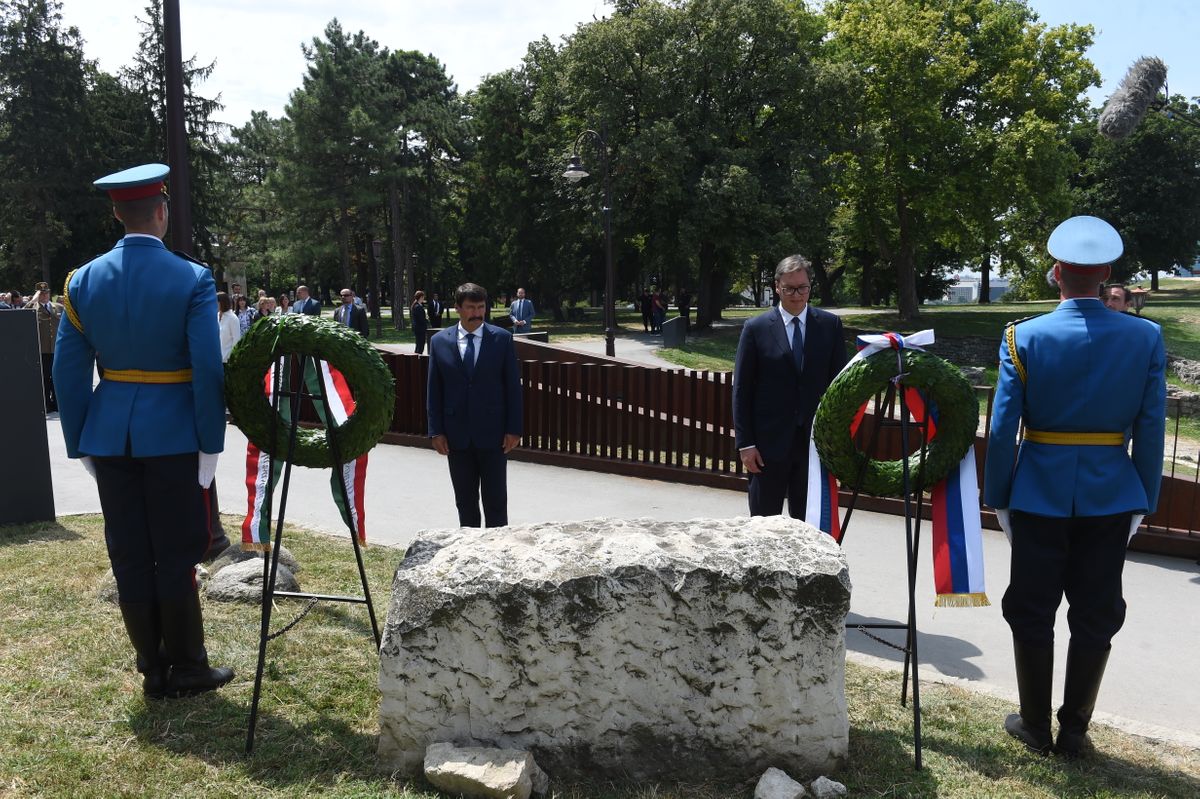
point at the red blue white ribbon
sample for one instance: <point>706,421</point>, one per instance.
<point>957,533</point>
<point>263,472</point>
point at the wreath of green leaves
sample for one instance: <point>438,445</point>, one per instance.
<point>369,378</point>
<point>958,417</point>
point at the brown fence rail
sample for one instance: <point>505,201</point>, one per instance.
<point>677,425</point>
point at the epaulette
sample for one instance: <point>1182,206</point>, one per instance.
<point>191,258</point>
<point>1010,340</point>
<point>1024,319</point>
<point>66,295</point>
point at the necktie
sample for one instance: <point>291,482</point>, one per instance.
<point>469,355</point>
<point>798,343</point>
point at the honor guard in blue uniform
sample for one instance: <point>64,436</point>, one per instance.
<point>151,430</point>
<point>1083,380</point>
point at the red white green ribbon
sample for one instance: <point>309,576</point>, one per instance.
<point>263,471</point>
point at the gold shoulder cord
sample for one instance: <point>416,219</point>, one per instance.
<point>1010,337</point>
<point>74,317</point>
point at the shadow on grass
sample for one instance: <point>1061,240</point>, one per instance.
<point>1099,773</point>
<point>948,654</point>
<point>320,752</point>
<point>874,753</point>
<point>37,531</point>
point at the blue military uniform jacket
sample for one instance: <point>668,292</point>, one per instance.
<point>1087,369</point>
<point>140,308</point>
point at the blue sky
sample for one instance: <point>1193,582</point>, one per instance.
<point>256,43</point>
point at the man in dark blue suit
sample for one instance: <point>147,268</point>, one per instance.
<point>786,358</point>
<point>474,401</point>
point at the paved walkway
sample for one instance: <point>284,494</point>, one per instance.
<point>1153,681</point>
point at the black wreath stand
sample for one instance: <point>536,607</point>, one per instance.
<point>913,499</point>
<point>295,397</point>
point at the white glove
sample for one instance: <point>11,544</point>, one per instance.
<point>1135,523</point>
<point>208,468</point>
<point>89,465</point>
<point>1005,523</point>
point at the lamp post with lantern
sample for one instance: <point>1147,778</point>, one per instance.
<point>574,173</point>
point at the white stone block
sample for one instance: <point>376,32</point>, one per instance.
<point>621,648</point>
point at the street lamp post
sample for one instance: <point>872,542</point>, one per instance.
<point>575,172</point>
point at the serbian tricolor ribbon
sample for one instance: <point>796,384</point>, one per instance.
<point>957,532</point>
<point>263,471</point>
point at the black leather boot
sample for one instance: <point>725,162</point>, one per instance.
<point>1035,677</point>
<point>142,625</point>
<point>183,639</point>
<point>1085,671</point>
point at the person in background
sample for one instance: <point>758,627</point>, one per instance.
<point>1117,298</point>
<point>435,310</point>
<point>351,314</point>
<point>266,306</point>
<point>420,322</point>
<point>646,304</point>
<point>229,325</point>
<point>245,314</point>
<point>305,304</point>
<point>521,311</point>
<point>285,304</point>
<point>48,314</point>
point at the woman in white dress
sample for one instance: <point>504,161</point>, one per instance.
<point>231,328</point>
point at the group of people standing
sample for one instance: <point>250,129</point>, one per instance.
<point>654,304</point>
<point>48,313</point>
<point>235,314</point>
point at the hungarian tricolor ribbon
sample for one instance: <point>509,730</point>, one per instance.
<point>263,471</point>
<point>957,532</point>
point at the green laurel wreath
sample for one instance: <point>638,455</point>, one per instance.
<point>369,378</point>
<point>958,417</point>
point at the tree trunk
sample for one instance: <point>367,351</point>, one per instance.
<point>705,299</point>
<point>344,246</point>
<point>826,280</point>
<point>905,263</point>
<point>45,258</point>
<point>866,286</point>
<point>1154,280</point>
<point>985,280</point>
<point>399,288</point>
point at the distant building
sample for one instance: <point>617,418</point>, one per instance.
<point>965,288</point>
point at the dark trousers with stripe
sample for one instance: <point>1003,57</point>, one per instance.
<point>156,524</point>
<point>783,478</point>
<point>1082,558</point>
<point>478,473</point>
<point>51,399</point>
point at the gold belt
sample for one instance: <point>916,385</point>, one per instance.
<point>1084,439</point>
<point>147,376</point>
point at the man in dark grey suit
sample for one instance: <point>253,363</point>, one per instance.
<point>474,402</point>
<point>352,314</point>
<point>786,358</point>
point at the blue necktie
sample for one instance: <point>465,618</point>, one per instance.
<point>469,355</point>
<point>798,343</point>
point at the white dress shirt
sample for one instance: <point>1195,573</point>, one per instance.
<point>787,323</point>
<point>462,342</point>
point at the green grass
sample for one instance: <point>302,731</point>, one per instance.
<point>73,723</point>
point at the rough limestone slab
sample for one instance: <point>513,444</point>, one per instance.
<point>621,648</point>
<point>483,772</point>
